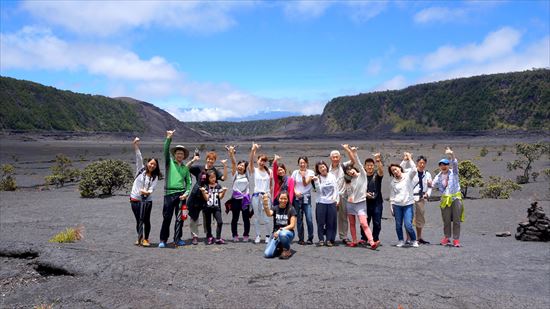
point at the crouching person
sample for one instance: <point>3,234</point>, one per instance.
<point>284,221</point>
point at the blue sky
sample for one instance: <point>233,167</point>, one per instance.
<point>216,60</point>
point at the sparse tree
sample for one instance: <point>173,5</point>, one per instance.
<point>498,188</point>
<point>7,183</point>
<point>62,171</point>
<point>105,176</point>
<point>469,175</point>
<point>528,154</point>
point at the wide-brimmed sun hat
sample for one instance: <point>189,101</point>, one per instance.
<point>180,147</point>
<point>444,161</point>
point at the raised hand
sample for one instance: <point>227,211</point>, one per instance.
<point>377,157</point>
<point>224,161</point>
<point>169,133</point>
<point>448,151</point>
<point>276,157</point>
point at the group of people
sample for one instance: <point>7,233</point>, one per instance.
<point>347,191</point>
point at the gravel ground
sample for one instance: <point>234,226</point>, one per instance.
<point>105,269</point>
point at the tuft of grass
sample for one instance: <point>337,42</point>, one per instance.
<point>70,234</point>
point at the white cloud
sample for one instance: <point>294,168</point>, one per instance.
<point>116,16</point>
<point>304,9</point>
<point>441,14</point>
<point>374,67</point>
<point>362,11</point>
<point>495,44</point>
<point>33,48</point>
<point>395,83</point>
<point>408,63</point>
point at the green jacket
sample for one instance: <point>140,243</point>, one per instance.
<point>178,178</point>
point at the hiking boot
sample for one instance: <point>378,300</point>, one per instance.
<point>220,241</point>
<point>423,242</point>
<point>374,245</point>
<point>180,243</point>
<point>257,240</point>
<point>444,241</point>
<point>195,240</point>
<point>285,255</point>
<point>456,243</point>
<point>210,240</point>
<point>145,243</point>
<point>400,244</point>
<point>414,244</point>
<point>162,244</point>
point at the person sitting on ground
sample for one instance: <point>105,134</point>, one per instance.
<point>452,208</point>
<point>284,221</point>
<point>141,201</point>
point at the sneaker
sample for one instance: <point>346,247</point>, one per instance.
<point>210,240</point>
<point>456,243</point>
<point>444,241</point>
<point>195,240</point>
<point>245,238</point>
<point>257,240</point>
<point>414,244</point>
<point>407,242</point>
<point>180,243</point>
<point>137,242</point>
<point>266,239</point>
<point>220,241</point>
<point>374,245</point>
<point>320,244</point>
<point>162,244</point>
<point>351,244</point>
<point>145,243</point>
<point>301,243</point>
<point>424,242</point>
<point>309,242</point>
<point>345,241</point>
<point>235,239</point>
<point>362,242</point>
<point>330,244</point>
<point>400,244</point>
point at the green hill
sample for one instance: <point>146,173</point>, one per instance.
<point>28,106</point>
<point>516,101</point>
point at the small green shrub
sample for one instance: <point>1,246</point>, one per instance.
<point>469,176</point>
<point>527,153</point>
<point>62,172</point>
<point>70,234</point>
<point>7,183</point>
<point>498,188</point>
<point>105,177</point>
<point>483,152</point>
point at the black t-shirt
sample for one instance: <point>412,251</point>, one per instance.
<point>213,196</point>
<point>200,178</point>
<point>375,185</point>
<point>281,216</point>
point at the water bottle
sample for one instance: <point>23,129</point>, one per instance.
<point>184,212</point>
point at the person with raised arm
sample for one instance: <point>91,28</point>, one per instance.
<point>145,182</point>
<point>452,208</point>
<point>262,185</point>
<point>197,202</point>
<point>281,181</point>
<point>176,188</point>
<point>401,197</point>
<point>375,203</point>
<point>284,221</point>
<point>240,198</point>
<point>356,194</point>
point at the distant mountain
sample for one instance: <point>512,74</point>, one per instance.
<point>509,101</point>
<point>512,101</point>
<point>29,106</point>
<point>264,116</point>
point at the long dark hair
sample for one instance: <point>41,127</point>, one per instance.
<point>245,164</point>
<point>347,178</point>
<point>156,172</point>
<point>392,165</point>
<point>281,178</point>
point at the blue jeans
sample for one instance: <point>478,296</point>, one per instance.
<point>405,213</point>
<point>284,239</point>
<point>301,210</point>
<point>326,221</point>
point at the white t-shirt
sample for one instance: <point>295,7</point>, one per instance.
<point>241,183</point>
<point>261,180</point>
<point>328,189</point>
<point>298,181</point>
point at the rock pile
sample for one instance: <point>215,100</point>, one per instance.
<point>538,226</point>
